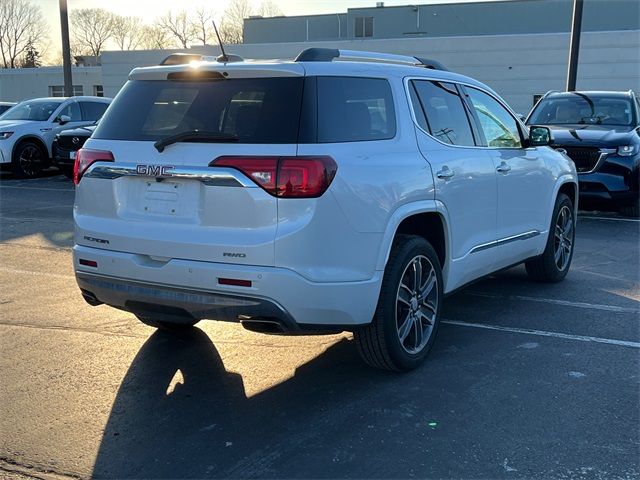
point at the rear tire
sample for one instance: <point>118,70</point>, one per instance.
<point>168,326</point>
<point>407,316</point>
<point>554,263</point>
<point>28,160</point>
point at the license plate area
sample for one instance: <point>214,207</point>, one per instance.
<point>72,155</point>
<point>162,198</point>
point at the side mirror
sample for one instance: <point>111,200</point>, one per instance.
<point>540,136</point>
<point>62,119</point>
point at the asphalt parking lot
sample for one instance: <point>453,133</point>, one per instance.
<point>525,381</point>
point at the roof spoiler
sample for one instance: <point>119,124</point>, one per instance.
<point>331,54</point>
<point>184,58</point>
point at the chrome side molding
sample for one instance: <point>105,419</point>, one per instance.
<point>502,241</point>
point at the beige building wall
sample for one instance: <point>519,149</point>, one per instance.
<point>516,66</point>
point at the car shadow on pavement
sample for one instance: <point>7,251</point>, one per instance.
<point>200,423</point>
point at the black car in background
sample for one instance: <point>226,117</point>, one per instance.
<point>65,146</point>
<point>600,131</point>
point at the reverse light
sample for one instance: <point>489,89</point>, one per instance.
<point>285,177</point>
<point>85,158</point>
<point>627,150</point>
<point>5,135</point>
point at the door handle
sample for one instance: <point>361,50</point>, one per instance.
<point>503,168</point>
<point>446,173</point>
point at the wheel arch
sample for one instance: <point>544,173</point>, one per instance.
<point>428,219</point>
<point>34,138</point>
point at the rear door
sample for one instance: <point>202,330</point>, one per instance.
<point>464,175</point>
<point>172,204</point>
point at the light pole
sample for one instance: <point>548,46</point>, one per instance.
<point>66,49</point>
<point>574,47</point>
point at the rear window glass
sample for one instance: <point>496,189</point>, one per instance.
<point>352,109</point>
<point>256,110</point>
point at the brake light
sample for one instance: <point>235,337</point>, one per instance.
<point>285,177</point>
<point>85,158</point>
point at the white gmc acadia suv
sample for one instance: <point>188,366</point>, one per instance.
<point>341,191</point>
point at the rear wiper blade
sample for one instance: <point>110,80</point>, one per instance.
<point>194,135</point>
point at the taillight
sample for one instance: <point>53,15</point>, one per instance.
<point>85,158</point>
<point>285,177</point>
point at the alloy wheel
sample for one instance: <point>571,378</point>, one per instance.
<point>563,241</point>
<point>416,304</point>
<point>30,160</point>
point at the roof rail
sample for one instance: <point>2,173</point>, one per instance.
<point>184,58</point>
<point>331,54</point>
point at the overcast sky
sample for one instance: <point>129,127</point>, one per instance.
<point>148,10</point>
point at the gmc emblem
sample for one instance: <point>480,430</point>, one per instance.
<point>155,170</point>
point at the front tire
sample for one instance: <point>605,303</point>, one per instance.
<point>67,171</point>
<point>29,160</point>
<point>406,320</point>
<point>554,263</point>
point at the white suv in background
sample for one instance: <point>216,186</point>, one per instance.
<point>341,191</point>
<point>27,130</point>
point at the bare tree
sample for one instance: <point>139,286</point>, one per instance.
<point>202,26</point>
<point>92,28</point>
<point>22,26</point>
<point>268,8</point>
<point>127,32</point>
<point>232,27</point>
<point>178,26</point>
<point>154,37</point>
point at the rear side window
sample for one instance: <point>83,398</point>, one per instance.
<point>440,111</point>
<point>92,111</point>
<point>256,110</point>
<point>354,109</point>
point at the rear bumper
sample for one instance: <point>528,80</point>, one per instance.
<point>144,286</point>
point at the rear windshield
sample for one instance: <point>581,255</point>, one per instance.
<point>256,110</point>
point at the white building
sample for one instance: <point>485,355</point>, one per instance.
<point>520,48</point>
<point>21,83</point>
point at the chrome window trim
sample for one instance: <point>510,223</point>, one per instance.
<point>212,176</point>
<point>406,81</point>
<point>503,241</point>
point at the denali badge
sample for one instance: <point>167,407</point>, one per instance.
<point>155,170</point>
<point>233,254</point>
<point>97,240</point>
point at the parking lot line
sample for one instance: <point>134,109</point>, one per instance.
<point>32,272</point>
<point>613,219</point>
<point>567,303</point>
<point>542,333</point>
<point>20,187</point>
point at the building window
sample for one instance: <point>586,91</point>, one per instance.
<point>364,27</point>
<point>58,90</point>
<point>98,91</point>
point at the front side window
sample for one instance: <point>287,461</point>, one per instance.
<point>354,109</point>
<point>441,112</point>
<point>37,110</point>
<point>499,127</point>
<point>72,111</point>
